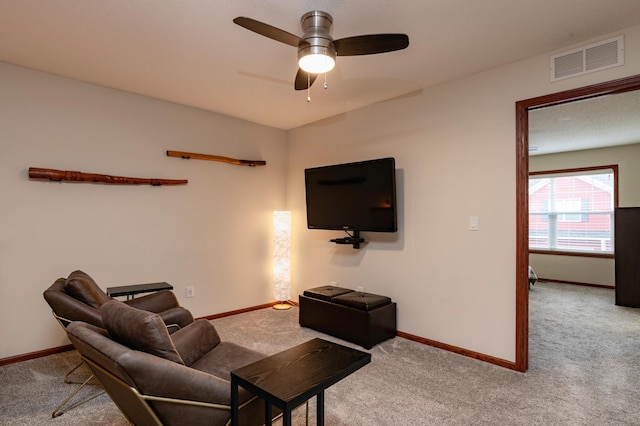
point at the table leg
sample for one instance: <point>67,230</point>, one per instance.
<point>267,413</point>
<point>234,403</point>
<point>286,417</point>
<point>320,408</point>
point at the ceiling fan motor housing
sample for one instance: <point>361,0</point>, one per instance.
<point>317,26</point>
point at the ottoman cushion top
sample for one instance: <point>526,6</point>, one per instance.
<point>361,300</point>
<point>327,292</point>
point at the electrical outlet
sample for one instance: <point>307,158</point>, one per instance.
<point>190,291</point>
<point>334,283</point>
<point>359,288</point>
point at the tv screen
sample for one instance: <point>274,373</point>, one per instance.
<point>355,196</point>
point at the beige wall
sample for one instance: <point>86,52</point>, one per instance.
<point>213,233</point>
<point>454,146</point>
<point>587,269</point>
<point>455,150</point>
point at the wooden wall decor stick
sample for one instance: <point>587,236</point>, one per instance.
<point>68,175</point>
<point>188,155</point>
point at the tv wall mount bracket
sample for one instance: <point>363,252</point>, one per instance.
<point>350,239</point>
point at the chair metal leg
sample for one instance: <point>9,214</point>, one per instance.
<point>58,411</point>
<point>68,380</point>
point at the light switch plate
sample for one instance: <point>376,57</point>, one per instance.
<point>473,223</point>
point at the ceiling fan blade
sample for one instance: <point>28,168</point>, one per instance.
<point>304,80</point>
<point>370,44</point>
<point>268,31</point>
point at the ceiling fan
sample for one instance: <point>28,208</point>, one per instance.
<point>317,50</point>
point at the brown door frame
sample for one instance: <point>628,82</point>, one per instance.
<point>522,200</point>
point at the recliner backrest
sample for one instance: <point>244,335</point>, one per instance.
<point>67,308</point>
<point>144,331</point>
<point>139,330</point>
<point>84,288</point>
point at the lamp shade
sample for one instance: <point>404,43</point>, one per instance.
<point>282,255</point>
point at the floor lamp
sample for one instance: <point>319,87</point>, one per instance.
<point>282,258</point>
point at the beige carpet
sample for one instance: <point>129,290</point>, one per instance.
<point>584,370</point>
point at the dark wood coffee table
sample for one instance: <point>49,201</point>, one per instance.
<point>289,378</point>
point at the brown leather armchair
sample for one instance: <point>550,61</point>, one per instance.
<point>78,298</point>
<point>157,378</point>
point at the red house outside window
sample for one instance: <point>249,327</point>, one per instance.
<point>572,211</point>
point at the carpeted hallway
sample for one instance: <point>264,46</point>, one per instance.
<point>584,363</point>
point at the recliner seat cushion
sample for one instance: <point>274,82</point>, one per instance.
<point>224,358</point>
<point>84,288</point>
<point>140,330</point>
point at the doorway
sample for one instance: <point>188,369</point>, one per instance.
<point>522,201</point>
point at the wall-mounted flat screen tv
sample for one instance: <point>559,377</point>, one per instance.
<point>357,196</point>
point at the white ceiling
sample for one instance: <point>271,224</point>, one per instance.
<point>191,53</point>
<point>592,123</point>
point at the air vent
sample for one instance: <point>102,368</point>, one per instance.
<point>583,60</point>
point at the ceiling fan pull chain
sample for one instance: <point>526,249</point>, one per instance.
<point>325,81</point>
<point>308,87</point>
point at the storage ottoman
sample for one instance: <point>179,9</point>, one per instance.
<point>358,317</point>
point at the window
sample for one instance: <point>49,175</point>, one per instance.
<point>571,211</point>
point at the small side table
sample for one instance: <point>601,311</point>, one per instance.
<point>291,377</point>
<point>131,290</point>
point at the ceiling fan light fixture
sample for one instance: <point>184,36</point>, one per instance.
<point>316,63</point>
<point>316,59</point>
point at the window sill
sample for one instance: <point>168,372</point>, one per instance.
<point>574,253</point>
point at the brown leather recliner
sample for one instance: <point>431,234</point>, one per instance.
<point>78,298</point>
<point>159,378</point>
